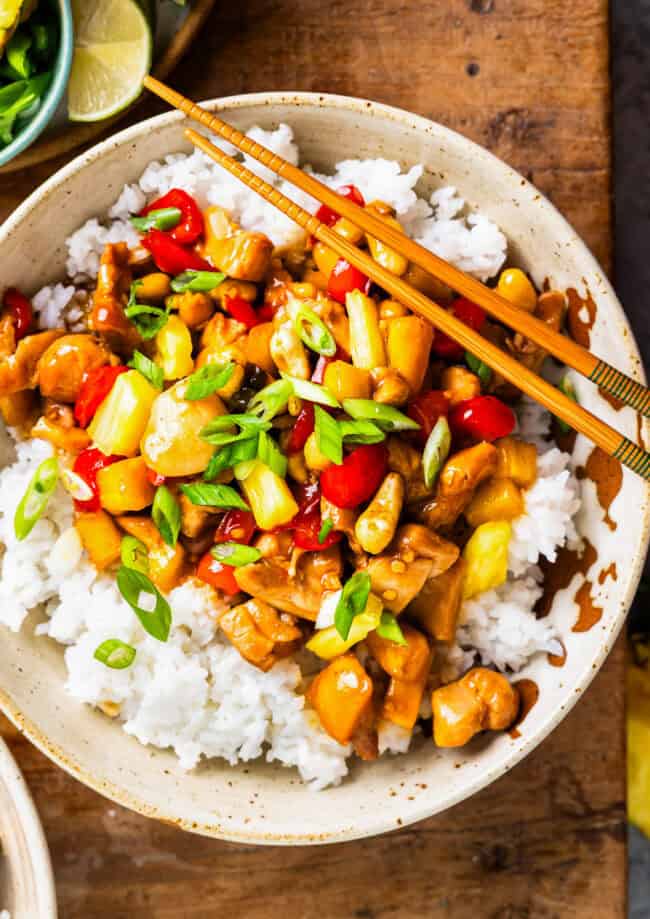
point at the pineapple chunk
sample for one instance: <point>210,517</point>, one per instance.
<point>496,499</point>
<point>486,555</point>
<point>342,696</point>
<point>327,643</point>
<point>269,497</point>
<point>121,419</point>
<point>347,382</point>
<point>366,341</point>
<point>100,537</point>
<point>174,349</point>
<point>516,460</point>
<point>124,486</point>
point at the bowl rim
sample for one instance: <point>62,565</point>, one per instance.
<point>36,125</point>
<point>31,836</point>
<point>413,811</point>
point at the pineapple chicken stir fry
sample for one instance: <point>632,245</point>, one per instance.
<point>270,423</point>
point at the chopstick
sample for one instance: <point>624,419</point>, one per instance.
<point>608,378</point>
<point>611,441</point>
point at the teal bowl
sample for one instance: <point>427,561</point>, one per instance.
<point>61,71</point>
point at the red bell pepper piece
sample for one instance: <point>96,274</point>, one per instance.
<point>218,575</point>
<point>305,534</point>
<point>21,311</point>
<point>345,278</point>
<point>170,256</point>
<point>191,225</point>
<point>469,313</point>
<point>482,418</point>
<point>241,310</point>
<point>357,478</point>
<point>236,526</point>
<point>302,428</point>
<point>95,387</point>
<point>329,217</point>
<point>265,313</point>
<point>426,409</point>
<point>89,462</point>
<point>155,478</point>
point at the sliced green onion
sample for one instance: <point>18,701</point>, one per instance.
<point>477,366</point>
<point>235,554</point>
<point>133,554</point>
<point>75,485</point>
<point>268,452</point>
<point>312,392</point>
<point>325,530</point>
<point>149,370</point>
<point>436,451</point>
<point>17,54</point>
<point>361,432</point>
<point>133,584</point>
<point>35,500</point>
<point>165,218</point>
<point>219,433</point>
<point>389,628</point>
<point>208,380</point>
<point>197,281</point>
<point>328,435</point>
<point>271,400</point>
<point>384,416</point>
<point>166,514</point>
<point>243,470</point>
<point>313,332</point>
<point>147,319</point>
<point>115,654</point>
<point>566,386</point>
<point>352,602</point>
<point>228,457</point>
<point>207,495</point>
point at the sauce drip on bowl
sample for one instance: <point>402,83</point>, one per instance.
<point>528,695</point>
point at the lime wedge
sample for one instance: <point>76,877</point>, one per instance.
<point>111,59</point>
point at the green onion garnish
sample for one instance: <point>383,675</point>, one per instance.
<point>219,433</point>
<point>235,554</point>
<point>313,332</point>
<point>269,453</point>
<point>477,366</point>
<point>384,416</point>
<point>361,432</point>
<point>166,514</point>
<point>229,457</point>
<point>436,451</point>
<point>35,500</point>
<point>328,435</point>
<point>271,400</point>
<point>389,628</point>
<point>352,602</point>
<point>312,392</point>
<point>165,218</point>
<point>136,587</point>
<point>566,386</point>
<point>197,281</point>
<point>208,380</point>
<point>115,654</point>
<point>325,530</point>
<point>147,319</point>
<point>150,371</point>
<point>134,554</point>
<point>207,495</point>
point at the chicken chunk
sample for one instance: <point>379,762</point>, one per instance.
<point>416,541</point>
<point>225,338</point>
<point>63,366</point>
<point>20,370</point>
<point>437,605</point>
<point>110,298</point>
<point>240,254</point>
<point>341,694</point>
<point>551,307</point>
<point>481,701</point>
<point>261,634</point>
<point>461,474</point>
<point>195,519</point>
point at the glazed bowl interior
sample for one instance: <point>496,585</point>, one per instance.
<point>265,803</point>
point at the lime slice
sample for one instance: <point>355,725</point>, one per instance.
<point>111,59</point>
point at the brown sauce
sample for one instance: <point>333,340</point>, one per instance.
<point>528,695</point>
<point>615,403</point>
<point>609,572</point>
<point>558,574</point>
<point>558,660</point>
<point>580,328</point>
<point>607,475</point>
<point>588,613</point>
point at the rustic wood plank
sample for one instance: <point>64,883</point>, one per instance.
<point>529,79</point>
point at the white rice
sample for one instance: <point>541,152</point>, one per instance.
<point>195,694</point>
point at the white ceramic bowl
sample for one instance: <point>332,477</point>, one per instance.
<point>261,803</point>
<point>26,881</point>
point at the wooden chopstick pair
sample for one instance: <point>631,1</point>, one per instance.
<point>567,351</point>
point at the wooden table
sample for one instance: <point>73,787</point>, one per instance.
<point>529,79</point>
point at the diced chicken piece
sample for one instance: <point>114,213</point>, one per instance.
<point>63,366</point>
<point>437,605</point>
<point>413,540</point>
<point>409,662</point>
<point>240,254</point>
<point>461,474</point>
<point>343,521</point>
<point>299,593</point>
<point>459,384</point>
<point>111,295</point>
<point>481,701</point>
<point>20,370</point>
<point>166,563</point>
<point>406,460</point>
<point>195,520</point>
<point>225,338</point>
<point>551,307</point>
<point>260,634</point>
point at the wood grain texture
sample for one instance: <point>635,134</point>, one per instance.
<point>548,840</point>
